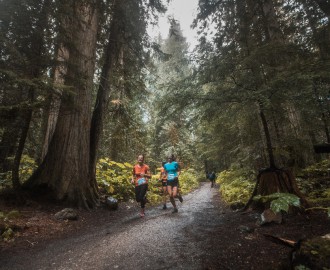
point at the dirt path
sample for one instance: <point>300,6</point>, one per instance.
<point>205,234</point>
<point>161,240</point>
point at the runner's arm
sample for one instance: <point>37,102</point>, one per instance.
<point>146,174</point>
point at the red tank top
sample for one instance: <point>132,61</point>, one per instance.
<point>137,170</point>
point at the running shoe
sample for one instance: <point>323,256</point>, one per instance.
<point>164,207</point>
<point>142,215</point>
<point>175,210</point>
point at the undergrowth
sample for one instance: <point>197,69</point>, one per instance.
<point>314,182</point>
<point>236,185</point>
<point>27,166</point>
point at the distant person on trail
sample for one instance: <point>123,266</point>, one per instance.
<point>172,169</point>
<point>163,180</point>
<point>212,176</point>
<point>140,178</point>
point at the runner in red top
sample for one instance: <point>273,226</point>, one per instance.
<point>140,179</point>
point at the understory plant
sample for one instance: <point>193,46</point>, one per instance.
<point>279,201</point>
<point>114,178</point>
<point>26,168</point>
<point>7,232</point>
<point>236,185</point>
<point>314,182</point>
<point>188,180</point>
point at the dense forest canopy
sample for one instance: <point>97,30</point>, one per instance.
<point>82,80</point>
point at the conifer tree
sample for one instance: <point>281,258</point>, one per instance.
<point>173,128</point>
<point>24,57</point>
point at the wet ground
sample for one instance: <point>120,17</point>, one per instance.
<point>160,240</point>
<point>204,234</point>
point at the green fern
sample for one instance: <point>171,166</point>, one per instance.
<point>279,201</point>
<point>236,185</point>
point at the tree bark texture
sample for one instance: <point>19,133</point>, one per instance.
<point>115,42</point>
<point>27,117</point>
<point>267,136</point>
<point>65,169</point>
<point>54,101</point>
<point>279,180</point>
<point>9,138</point>
<point>274,180</point>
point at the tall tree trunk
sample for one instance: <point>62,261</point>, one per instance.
<point>117,140</point>
<point>65,169</point>
<point>246,12</point>
<point>323,114</point>
<point>54,100</point>
<point>115,42</point>
<point>9,138</point>
<point>37,50</point>
<point>321,37</point>
<point>267,136</point>
<point>26,120</point>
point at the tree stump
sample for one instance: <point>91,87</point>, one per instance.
<point>274,180</point>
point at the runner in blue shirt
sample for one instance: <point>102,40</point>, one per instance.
<point>172,169</point>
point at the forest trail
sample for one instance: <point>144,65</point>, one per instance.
<point>205,235</point>
<point>161,240</point>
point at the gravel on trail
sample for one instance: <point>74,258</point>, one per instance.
<point>204,235</point>
<point>160,240</point>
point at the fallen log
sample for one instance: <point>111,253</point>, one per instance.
<point>280,240</point>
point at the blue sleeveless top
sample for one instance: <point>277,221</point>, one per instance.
<point>172,170</point>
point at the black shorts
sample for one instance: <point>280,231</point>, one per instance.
<point>140,194</point>
<point>173,183</point>
<point>164,183</point>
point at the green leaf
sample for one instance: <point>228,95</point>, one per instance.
<point>280,201</point>
<point>111,190</point>
<point>279,205</point>
<point>120,165</point>
<point>128,165</point>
